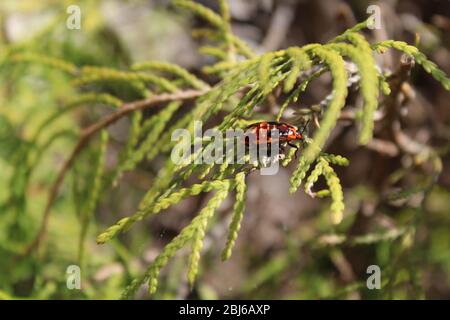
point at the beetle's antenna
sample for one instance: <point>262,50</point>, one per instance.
<point>301,132</point>
<point>304,126</point>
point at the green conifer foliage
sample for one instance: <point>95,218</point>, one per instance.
<point>165,86</point>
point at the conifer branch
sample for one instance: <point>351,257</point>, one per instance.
<point>88,133</point>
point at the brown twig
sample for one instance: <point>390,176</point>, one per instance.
<point>384,147</point>
<point>87,134</point>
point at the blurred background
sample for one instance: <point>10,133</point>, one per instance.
<point>286,248</point>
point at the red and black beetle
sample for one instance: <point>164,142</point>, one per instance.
<point>287,133</point>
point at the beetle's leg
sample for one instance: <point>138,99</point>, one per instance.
<point>294,146</point>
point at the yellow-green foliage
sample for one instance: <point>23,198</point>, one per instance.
<point>419,57</point>
<point>238,214</point>
<point>45,60</point>
<point>187,234</point>
<point>137,80</point>
<point>335,63</point>
<point>169,68</point>
<point>300,61</point>
<point>150,132</point>
<point>360,52</point>
<point>91,202</point>
<point>152,208</point>
<point>243,73</point>
<point>334,186</point>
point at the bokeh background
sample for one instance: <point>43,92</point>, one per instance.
<point>286,248</point>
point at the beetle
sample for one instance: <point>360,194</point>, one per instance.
<point>263,130</point>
